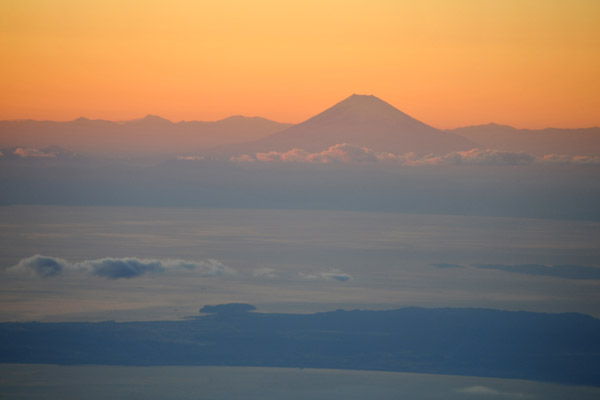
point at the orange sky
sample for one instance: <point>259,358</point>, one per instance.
<point>449,63</point>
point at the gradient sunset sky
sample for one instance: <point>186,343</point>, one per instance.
<point>525,63</point>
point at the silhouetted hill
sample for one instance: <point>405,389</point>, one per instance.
<point>584,141</point>
<point>359,120</point>
<point>465,341</point>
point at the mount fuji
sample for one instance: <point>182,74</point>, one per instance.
<point>361,120</point>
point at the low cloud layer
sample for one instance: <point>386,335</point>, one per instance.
<point>115,268</point>
<point>583,272</point>
<point>270,273</point>
<point>565,159</point>
<point>31,152</point>
<point>348,153</point>
<point>332,275</point>
<point>558,271</point>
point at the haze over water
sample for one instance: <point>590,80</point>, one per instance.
<point>291,261</point>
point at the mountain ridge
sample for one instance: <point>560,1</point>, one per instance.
<point>149,135</point>
<point>574,142</point>
<point>360,120</point>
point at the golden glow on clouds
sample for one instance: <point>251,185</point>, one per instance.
<point>526,63</point>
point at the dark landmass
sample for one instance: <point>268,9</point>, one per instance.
<point>561,348</point>
<point>231,308</point>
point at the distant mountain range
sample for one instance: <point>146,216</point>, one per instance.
<point>151,135</point>
<point>360,120</point>
<point>584,141</point>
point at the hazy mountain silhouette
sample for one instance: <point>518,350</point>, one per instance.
<point>150,135</point>
<point>359,120</point>
<point>584,141</point>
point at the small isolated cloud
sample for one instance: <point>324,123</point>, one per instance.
<point>332,275</point>
<point>190,158</point>
<point>344,153</point>
<point>42,266</point>
<point>31,152</point>
<point>340,277</point>
<point>270,273</point>
<point>485,391</point>
<point>265,272</point>
<point>117,268</point>
<point>557,271</point>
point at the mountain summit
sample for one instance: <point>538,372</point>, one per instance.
<point>361,120</point>
<point>367,108</point>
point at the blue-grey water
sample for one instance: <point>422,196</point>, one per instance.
<point>283,261</point>
<point>232,383</point>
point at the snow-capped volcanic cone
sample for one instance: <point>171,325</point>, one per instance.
<point>359,120</point>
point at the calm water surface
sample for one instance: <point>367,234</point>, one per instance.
<point>232,383</point>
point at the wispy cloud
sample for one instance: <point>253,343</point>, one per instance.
<point>265,272</point>
<point>557,271</point>
<point>115,268</point>
<point>566,159</point>
<point>335,275</point>
<point>571,271</point>
<point>191,158</point>
<point>475,157</point>
<point>270,273</point>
